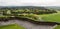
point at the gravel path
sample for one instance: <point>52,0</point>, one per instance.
<point>27,24</point>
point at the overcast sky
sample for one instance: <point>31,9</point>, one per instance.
<point>29,2</point>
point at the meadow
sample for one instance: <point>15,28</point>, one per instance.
<point>52,18</point>
<point>55,17</point>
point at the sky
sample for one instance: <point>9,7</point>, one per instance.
<point>29,2</point>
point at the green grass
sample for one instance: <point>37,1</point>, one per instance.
<point>51,17</point>
<point>12,26</point>
<point>58,27</point>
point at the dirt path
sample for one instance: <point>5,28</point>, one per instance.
<point>27,25</point>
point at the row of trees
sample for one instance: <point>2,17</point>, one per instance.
<point>27,11</point>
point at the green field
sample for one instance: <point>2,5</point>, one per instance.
<point>51,17</point>
<point>12,26</point>
<point>58,27</point>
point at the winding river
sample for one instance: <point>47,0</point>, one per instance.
<point>26,24</point>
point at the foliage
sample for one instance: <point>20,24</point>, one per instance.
<point>27,10</point>
<point>30,16</point>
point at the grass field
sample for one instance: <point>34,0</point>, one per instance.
<point>12,26</point>
<point>51,17</point>
<point>58,27</point>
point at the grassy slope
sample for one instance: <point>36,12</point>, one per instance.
<point>12,26</point>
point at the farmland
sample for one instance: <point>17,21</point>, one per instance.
<point>34,13</point>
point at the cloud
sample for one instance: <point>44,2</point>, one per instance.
<point>29,2</point>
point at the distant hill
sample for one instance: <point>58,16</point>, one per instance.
<point>53,7</point>
<point>24,7</point>
<point>31,7</point>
